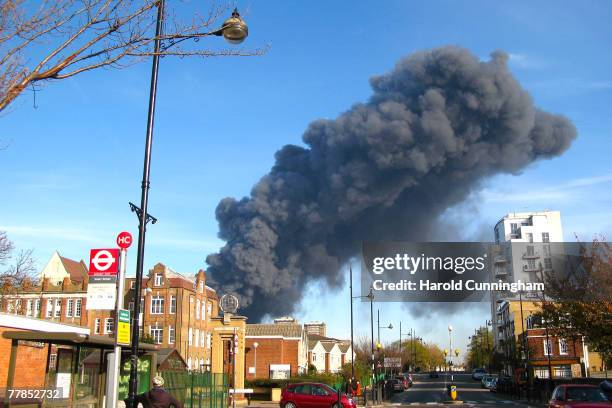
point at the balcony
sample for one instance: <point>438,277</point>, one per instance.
<point>528,268</point>
<point>500,259</point>
<point>533,255</point>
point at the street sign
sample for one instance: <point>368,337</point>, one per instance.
<point>392,362</point>
<point>124,240</point>
<point>123,327</point>
<point>101,296</point>
<point>104,261</point>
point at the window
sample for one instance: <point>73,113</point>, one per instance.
<point>173,304</point>
<point>78,307</point>
<point>29,307</point>
<point>531,265</point>
<point>108,325</point>
<point>37,308</point>
<point>69,307</point>
<point>157,305</point>
<point>190,341</point>
<point>97,326</point>
<point>547,250</point>
<point>142,303</point>
<point>514,230</point>
<point>197,337</point>
<point>158,279</point>
<point>303,389</point>
<point>52,360</point>
<point>58,308</point>
<point>133,284</point>
<point>49,311</point>
<point>157,333</point>
<point>131,306</point>
<point>529,237</point>
<point>203,310</point>
<point>189,363</point>
<point>201,286</point>
<point>314,356</point>
<point>170,334</point>
<point>208,340</point>
<point>209,310</point>
<point>547,348</point>
<point>545,237</point>
<point>197,309</point>
<point>563,349</point>
<point>202,338</point>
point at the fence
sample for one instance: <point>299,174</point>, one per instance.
<point>197,390</point>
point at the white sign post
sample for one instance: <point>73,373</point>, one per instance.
<point>114,366</point>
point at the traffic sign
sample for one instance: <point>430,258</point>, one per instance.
<point>124,240</point>
<point>104,261</point>
<point>123,327</point>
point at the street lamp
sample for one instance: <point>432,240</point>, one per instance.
<point>255,364</point>
<point>390,326</point>
<point>450,349</point>
<point>234,30</point>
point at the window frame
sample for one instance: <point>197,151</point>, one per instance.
<point>108,320</point>
<point>157,305</point>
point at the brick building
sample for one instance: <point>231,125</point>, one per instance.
<point>176,312</point>
<point>565,356</point>
<point>277,350</point>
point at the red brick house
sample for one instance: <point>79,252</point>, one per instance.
<point>277,350</point>
<point>565,356</point>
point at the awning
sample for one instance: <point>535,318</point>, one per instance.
<point>71,339</point>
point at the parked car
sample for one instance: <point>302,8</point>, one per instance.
<point>397,385</point>
<point>313,395</point>
<point>501,383</point>
<point>606,387</point>
<point>478,373</point>
<point>487,381</point>
<point>434,374</point>
<point>578,396</point>
<point>404,380</point>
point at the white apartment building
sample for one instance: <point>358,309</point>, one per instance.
<point>526,244</point>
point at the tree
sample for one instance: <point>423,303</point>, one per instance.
<point>579,302</point>
<point>17,271</point>
<point>58,39</point>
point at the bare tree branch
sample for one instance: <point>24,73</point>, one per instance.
<point>62,38</point>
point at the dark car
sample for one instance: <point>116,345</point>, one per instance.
<point>397,385</point>
<point>478,373</point>
<point>434,374</point>
<point>578,396</point>
<point>313,395</point>
<point>404,381</point>
<point>502,383</point>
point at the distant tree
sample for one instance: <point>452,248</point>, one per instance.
<point>17,271</point>
<point>579,303</point>
<point>57,39</point>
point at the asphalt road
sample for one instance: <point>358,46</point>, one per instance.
<point>429,392</point>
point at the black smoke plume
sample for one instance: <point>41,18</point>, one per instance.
<point>436,126</point>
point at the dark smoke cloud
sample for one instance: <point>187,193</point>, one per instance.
<point>436,126</point>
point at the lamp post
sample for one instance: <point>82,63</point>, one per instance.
<point>234,30</point>
<point>255,364</point>
<point>370,297</point>
<point>390,326</point>
<point>450,350</point>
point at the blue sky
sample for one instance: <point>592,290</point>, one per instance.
<point>75,160</point>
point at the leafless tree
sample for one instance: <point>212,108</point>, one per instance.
<point>17,271</point>
<point>57,39</point>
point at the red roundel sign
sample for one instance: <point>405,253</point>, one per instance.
<point>104,261</point>
<point>124,240</point>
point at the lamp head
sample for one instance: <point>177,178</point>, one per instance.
<point>255,345</point>
<point>234,29</point>
<point>390,326</point>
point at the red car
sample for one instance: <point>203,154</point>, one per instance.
<point>313,395</point>
<point>578,396</point>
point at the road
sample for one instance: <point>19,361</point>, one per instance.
<point>429,392</point>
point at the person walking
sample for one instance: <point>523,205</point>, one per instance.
<point>157,397</point>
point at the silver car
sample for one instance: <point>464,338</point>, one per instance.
<point>488,381</point>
